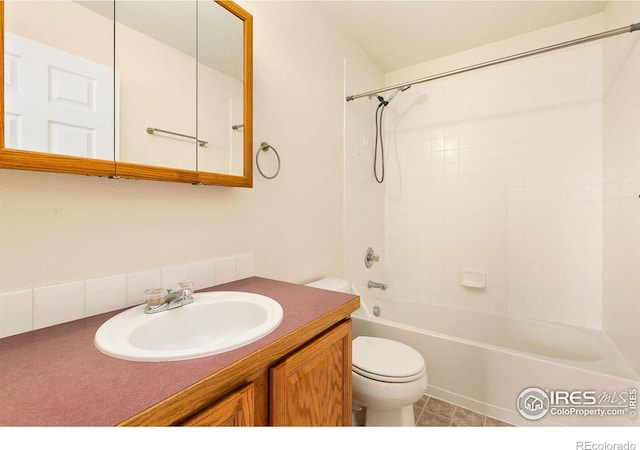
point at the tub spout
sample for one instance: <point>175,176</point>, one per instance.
<point>373,284</point>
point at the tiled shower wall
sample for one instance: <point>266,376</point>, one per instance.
<point>621,178</point>
<point>500,171</point>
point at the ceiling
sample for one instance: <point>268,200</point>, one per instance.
<point>399,34</point>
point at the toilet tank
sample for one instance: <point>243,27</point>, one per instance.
<point>332,284</point>
<point>340,285</point>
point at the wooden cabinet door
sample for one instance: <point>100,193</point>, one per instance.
<point>312,387</point>
<point>234,410</point>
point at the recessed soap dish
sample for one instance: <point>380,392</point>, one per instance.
<point>473,279</point>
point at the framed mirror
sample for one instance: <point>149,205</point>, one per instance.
<point>158,90</point>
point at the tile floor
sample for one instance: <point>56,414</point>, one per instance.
<point>433,412</point>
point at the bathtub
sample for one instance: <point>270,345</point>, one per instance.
<point>483,362</point>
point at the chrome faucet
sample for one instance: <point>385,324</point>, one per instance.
<point>373,284</point>
<point>172,300</point>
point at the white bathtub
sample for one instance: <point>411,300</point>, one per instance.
<point>483,362</point>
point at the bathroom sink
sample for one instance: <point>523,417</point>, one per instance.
<point>214,323</point>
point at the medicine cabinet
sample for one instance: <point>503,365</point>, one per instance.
<point>154,90</point>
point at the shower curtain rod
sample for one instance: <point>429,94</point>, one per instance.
<point>594,37</point>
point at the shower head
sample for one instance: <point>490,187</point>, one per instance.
<point>401,89</point>
<point>386,102</point>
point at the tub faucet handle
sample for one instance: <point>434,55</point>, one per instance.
<point>370,258</point>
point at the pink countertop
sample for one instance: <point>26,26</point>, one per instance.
<point>56,377</point>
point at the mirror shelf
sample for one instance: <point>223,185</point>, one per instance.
<point>201,173</point>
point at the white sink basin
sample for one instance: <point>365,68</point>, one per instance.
<point>214,323</point>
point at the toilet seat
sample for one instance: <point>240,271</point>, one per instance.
<point>386,360</point>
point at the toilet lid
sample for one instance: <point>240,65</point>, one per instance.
<point>386,360</point>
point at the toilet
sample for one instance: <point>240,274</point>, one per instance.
<point>388,377</point>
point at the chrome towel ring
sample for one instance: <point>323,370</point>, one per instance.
<point>266,147</point>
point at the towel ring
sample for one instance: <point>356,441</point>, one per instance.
<point>265,147</point>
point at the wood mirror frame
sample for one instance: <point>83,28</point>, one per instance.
<point>47,162</point>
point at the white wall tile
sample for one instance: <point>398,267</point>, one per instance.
<point>105,294</point>
<point>523,160</point>
<point>16,312</point>
<point>57,304</point>
<point>245,266</point>
<point>225,270</point>
<point>203,274</point>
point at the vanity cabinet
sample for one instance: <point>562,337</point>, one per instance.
<point>310,386</point>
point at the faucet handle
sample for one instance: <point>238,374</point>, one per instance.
<point>370,258</point>
<point>186,285</point>
<point>186,288</point>
<point>153,296</point>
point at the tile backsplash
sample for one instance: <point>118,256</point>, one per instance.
<point>31,309</point>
